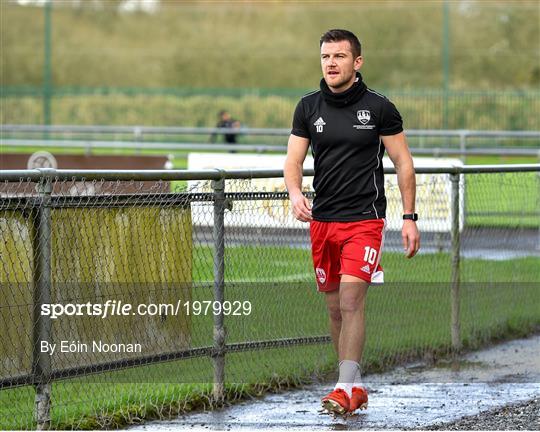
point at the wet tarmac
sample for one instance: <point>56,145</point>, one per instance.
<point>413,396</point>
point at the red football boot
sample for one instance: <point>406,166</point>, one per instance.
<point>337,401</point>
<point>359,399</point>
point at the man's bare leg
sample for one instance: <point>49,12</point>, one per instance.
<point>352,299</point>
<point>347,327</point>
<point>348,304</point>
<point>352,295</point>
<point>334,315</point>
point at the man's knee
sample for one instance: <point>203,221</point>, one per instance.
<point>334,313</point>
<point>352,296</point>
<point>332,304</point>
<point>351,304</point>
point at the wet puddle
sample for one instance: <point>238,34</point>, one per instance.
<point>412,396</point>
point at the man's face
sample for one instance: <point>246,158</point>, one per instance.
<point>339,65</point>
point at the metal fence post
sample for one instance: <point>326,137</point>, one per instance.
<point>219,287</point>
<point>41,361</point>
<point>455,281</point>
<point>463,157</point>
<point>538,204</point>
<point>463,145</point>
<point>137,136</point>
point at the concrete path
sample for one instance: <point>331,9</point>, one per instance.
<point>413,396</point>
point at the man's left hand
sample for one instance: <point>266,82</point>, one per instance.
<point>411,238</point>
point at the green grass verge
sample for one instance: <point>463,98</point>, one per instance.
<point>503,200</point>
<point>408,316</point>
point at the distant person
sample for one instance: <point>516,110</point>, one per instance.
<point>226,122</point>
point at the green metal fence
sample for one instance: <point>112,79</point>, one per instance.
<point>266,108</point>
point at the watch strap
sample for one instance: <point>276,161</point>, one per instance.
<point>410,216</point>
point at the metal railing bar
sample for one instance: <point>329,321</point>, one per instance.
<point>165,130</point>
<point>90,145</point>
<point>112,366</point>
<point>216,174</point>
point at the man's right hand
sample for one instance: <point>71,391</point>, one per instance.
<point>301,207</point>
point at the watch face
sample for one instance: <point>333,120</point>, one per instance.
<point>413,216</point>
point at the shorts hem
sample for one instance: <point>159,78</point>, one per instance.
<point>365,277</point>
<point>330,287</point>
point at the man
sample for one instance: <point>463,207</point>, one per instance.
<point>226,121</point>
<point>349,127</point>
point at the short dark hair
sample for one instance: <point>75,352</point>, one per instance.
<point>338,35</point>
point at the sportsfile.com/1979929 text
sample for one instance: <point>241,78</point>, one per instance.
<point>120,308</point>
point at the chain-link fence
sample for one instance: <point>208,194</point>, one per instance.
<point>137,295</point>
<point>261,108</point>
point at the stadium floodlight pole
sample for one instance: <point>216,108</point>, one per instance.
<point>42,278</point>
<point>218,354</point>
<point>47,75</point>
<point>446,60</point>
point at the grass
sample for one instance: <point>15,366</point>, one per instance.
<point>500,160</point>
<point>105,69</point>
<point>407,316</point>
<point>503,200</point>
<point>232,45</point>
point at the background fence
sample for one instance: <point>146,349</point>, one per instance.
<point>180,140</point>
<point>183,238</point>
<point>259,108</point>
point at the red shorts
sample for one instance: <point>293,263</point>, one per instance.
<point>351,248</point>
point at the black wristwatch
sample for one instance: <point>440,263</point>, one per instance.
<point>411,216</point>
